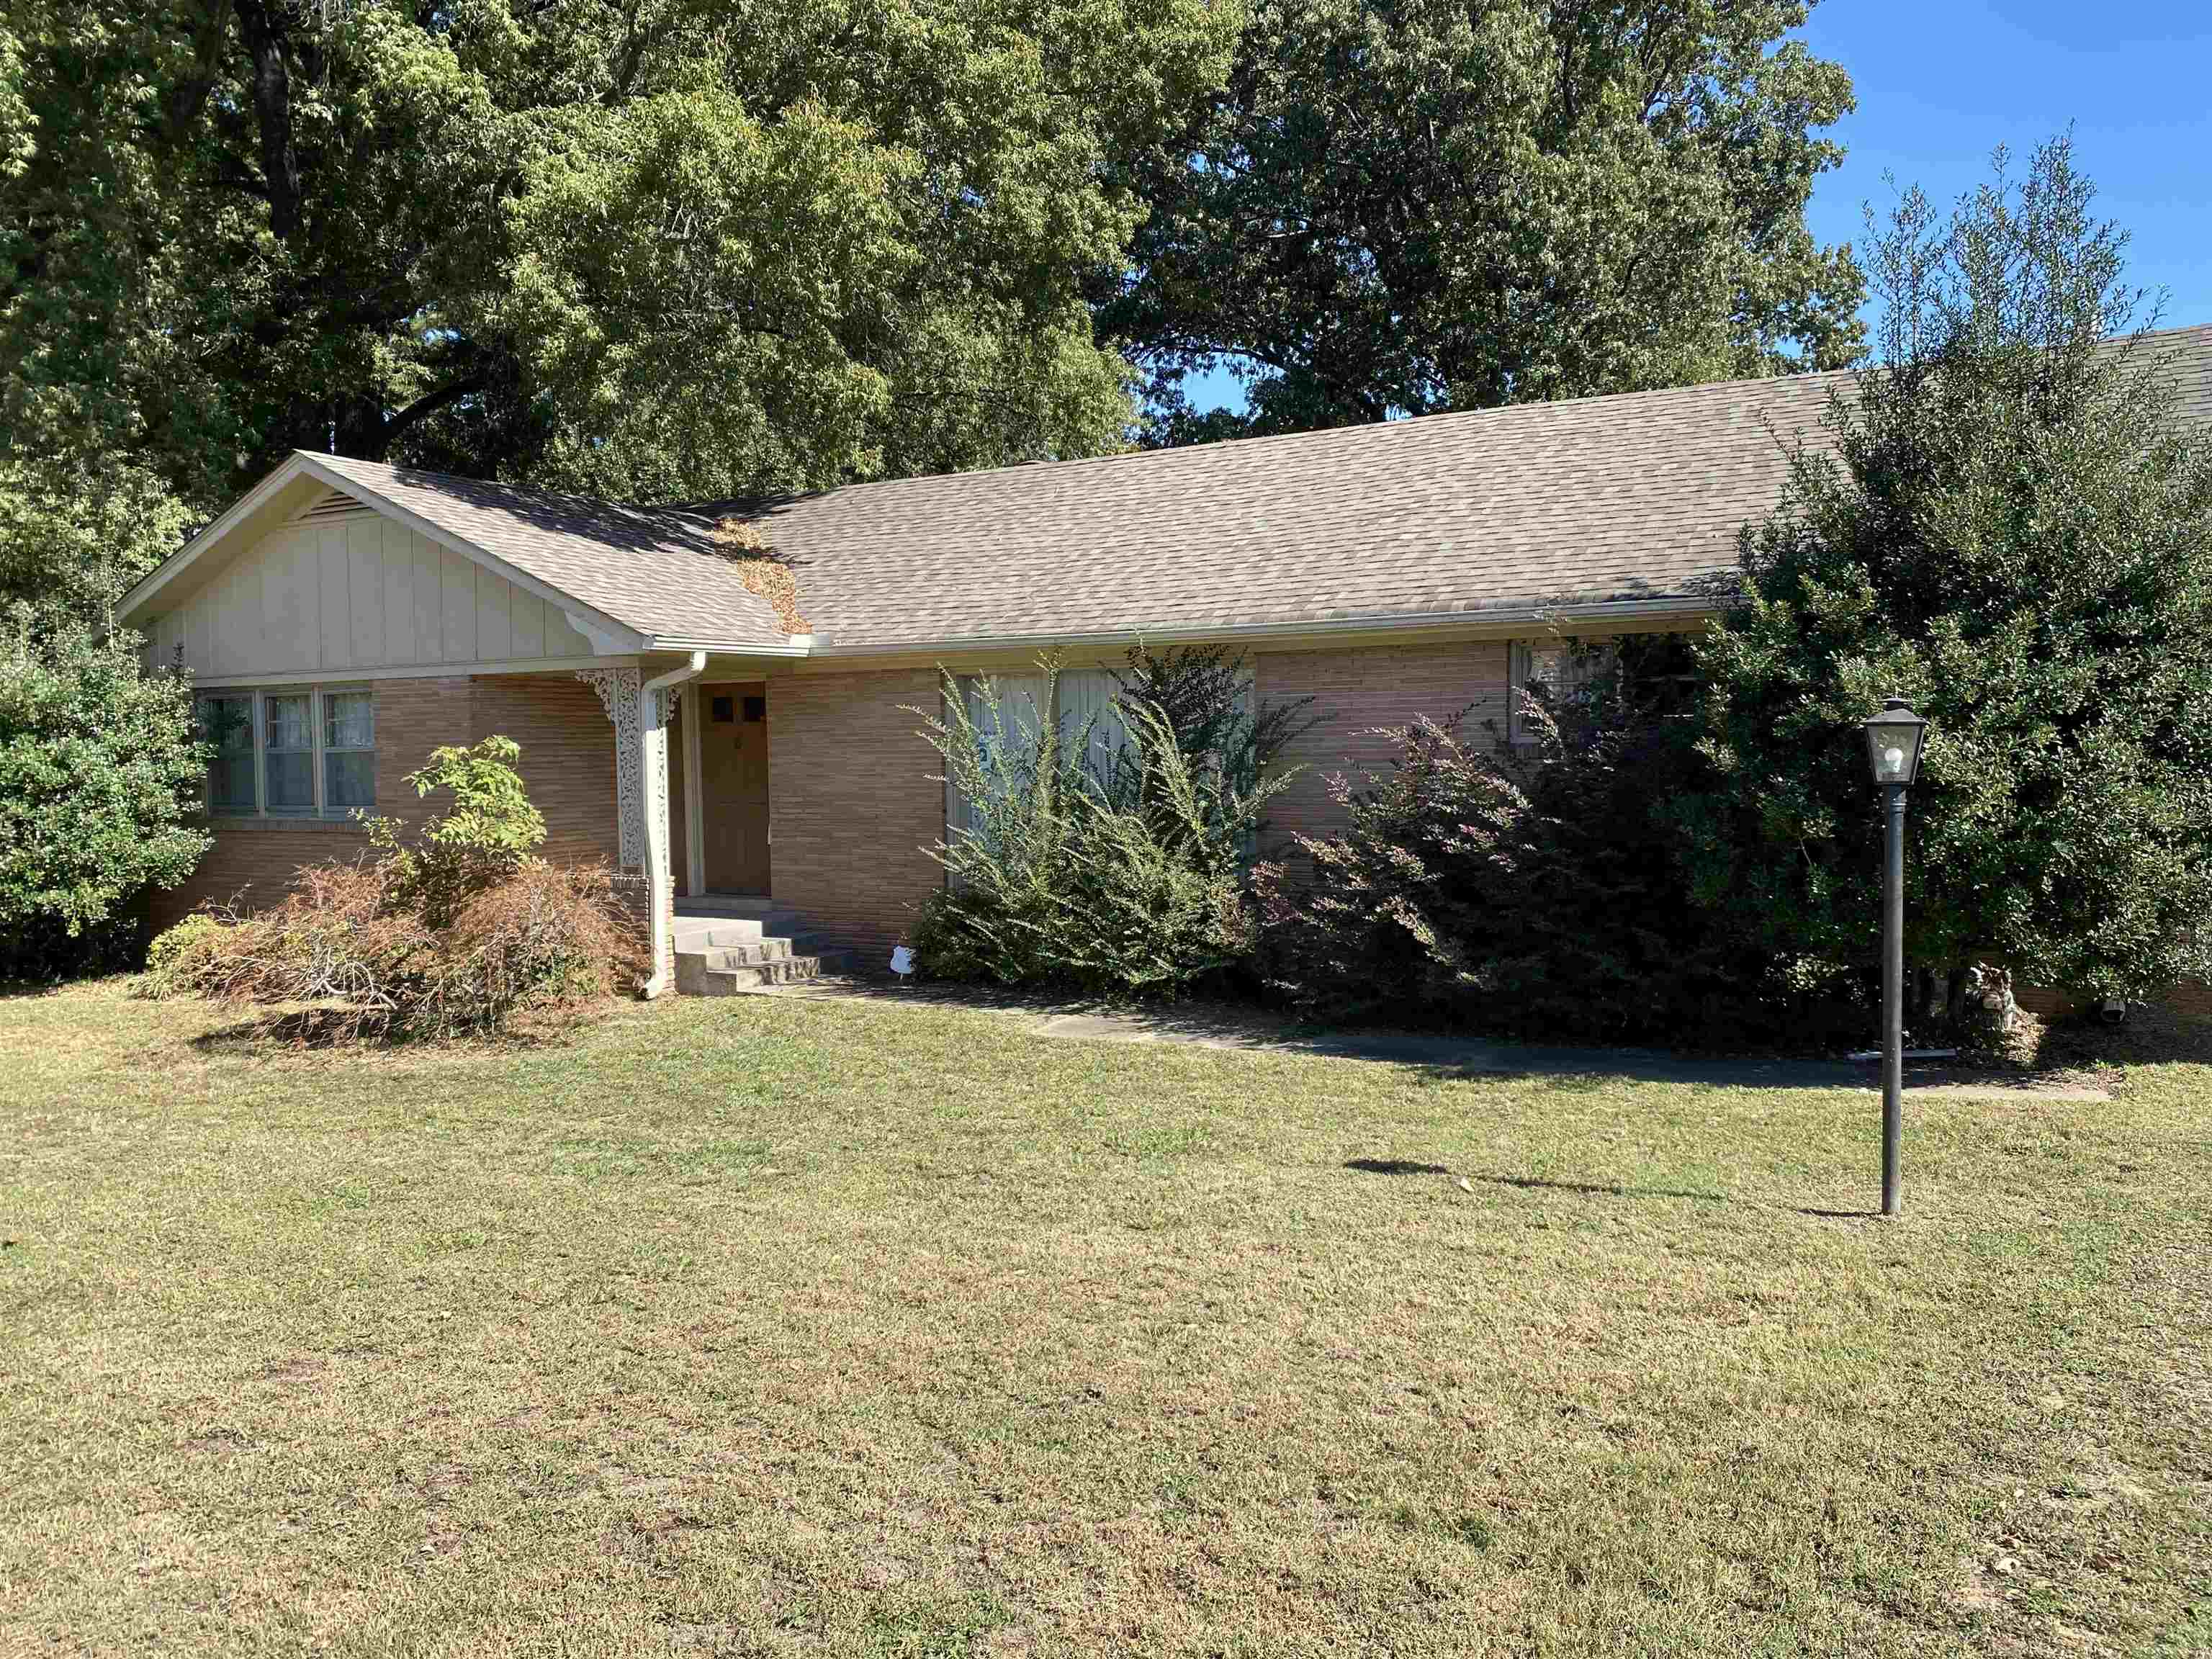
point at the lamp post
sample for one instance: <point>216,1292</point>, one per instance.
<point>1893,740</point>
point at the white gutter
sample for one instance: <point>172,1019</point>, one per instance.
<point>1680,604</point>
<point>794,645</point>
<point>660,884</point>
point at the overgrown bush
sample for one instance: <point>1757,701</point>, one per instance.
<point>454,934</point>
<point>101,775</point>
<point>2012,528</point>
<point>1532,893</point>
<point>1205,693</point>
<point>1130,883</point>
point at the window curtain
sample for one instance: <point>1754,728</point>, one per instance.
<point>1086,697</point>
<point>290,753</point>
<point>1009,741</point>
<point>349,752</point>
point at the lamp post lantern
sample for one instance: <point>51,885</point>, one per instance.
<point>1893,740</point>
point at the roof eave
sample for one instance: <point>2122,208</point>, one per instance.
<point>1690,607</point>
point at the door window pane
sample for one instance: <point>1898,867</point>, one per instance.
<point>290,757</point>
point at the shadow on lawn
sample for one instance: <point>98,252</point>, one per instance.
<point>301,1030</point>
<point>1406,1166</point>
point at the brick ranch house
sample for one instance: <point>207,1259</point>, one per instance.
<point>728,716</point>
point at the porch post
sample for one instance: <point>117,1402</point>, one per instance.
<point>640,714</point>
<point>618,696</point>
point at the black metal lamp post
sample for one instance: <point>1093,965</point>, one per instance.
<point>1893,740</point>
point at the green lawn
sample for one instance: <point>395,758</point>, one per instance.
<point>774,1326</point>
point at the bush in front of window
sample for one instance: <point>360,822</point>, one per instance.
<point>1130,884</point>
<point>101,775</point>
<point>454,934</point>
<point>488,834</point>
<point>1529,890</point>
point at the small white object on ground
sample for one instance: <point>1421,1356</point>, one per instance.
<point>901,961</point>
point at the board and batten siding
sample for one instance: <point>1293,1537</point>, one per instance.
<point>351,591</point>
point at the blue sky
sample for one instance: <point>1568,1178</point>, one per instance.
<point>1942,82</point>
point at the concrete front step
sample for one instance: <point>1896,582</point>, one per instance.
<point>747,955</point>
<point>694,978</point>
<point>726,946</point>
<point>697,933</point>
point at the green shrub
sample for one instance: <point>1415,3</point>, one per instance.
<point>177,957</point>
<point>2014,529</point>
<point>1204,693</point>
<point>489,834</point>
<point>1133,884</point>
<point>101,775</point>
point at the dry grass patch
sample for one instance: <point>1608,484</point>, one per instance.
<point>765,1327</point>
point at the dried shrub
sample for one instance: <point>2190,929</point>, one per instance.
<point>543,938</point>
<point>453,935</point>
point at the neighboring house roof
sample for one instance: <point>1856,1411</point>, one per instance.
<point>1603,505</point>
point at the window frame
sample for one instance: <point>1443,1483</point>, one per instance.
<point>1579,661</point>
<point>251,750</point>
<point>317,693</point>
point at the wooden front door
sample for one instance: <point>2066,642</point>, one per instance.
<point>734,786</point>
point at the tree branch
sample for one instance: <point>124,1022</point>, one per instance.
<point>190,96</point>
<point>397,425</point>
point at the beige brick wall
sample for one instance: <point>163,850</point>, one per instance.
<point>1360,689</point>
<point>850,804</point>
<point>567,758</point>
<point>568,764</point>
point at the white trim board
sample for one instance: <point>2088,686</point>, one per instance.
<point>445,671</point>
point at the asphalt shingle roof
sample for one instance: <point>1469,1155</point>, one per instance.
<point>655,568</point>
<point>1635,496</point>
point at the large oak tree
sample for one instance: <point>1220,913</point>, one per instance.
<point>1404,206</point>
<point>661,248</point>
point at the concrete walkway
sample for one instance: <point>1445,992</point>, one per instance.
<point>1246,1031</point>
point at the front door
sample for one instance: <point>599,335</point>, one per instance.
<point>734,786</point>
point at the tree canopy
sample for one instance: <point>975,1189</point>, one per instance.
<point>663,247</point>
<point>2014,529</point>
<point>1406,206</point>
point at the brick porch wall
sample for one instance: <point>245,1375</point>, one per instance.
<point>1357,690</point>
<point>568,765</point>
<point>851,806</point>
<point>2191,998</point>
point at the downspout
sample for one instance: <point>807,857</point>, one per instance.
<point>659,889</point>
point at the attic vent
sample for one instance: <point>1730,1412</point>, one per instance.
<point>334,506</point>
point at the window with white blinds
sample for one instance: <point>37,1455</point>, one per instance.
<point>1084,711</point>
<point>304,752</point>
<point>1009,734</point>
